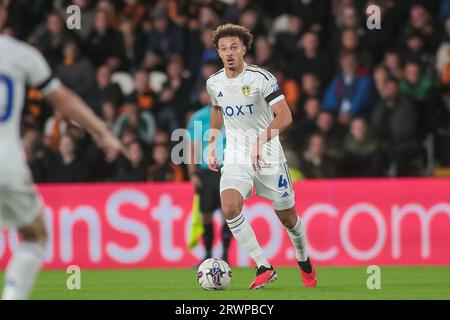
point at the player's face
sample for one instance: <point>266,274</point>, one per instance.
<point>231,51</point>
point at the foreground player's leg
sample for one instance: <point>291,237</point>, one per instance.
<point>297,233</point>
<point>231,207</point>
<point>26,261</point>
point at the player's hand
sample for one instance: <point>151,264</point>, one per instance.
<point>196,182</point>
<point>110,145</point>
<point>211,160</point>
<point>256,158</point>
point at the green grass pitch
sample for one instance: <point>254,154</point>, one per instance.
<point>334,283</point>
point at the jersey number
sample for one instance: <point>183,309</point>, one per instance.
<point>6,97</point>
<point>282,182</point>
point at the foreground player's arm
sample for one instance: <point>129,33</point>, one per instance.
<point>282,120</point>
<point>216,122</point>
<point>72,107</point>
<point>68,103</point>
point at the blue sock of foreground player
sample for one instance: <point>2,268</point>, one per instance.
<point>244,235</point>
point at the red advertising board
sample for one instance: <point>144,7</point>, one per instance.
<point>349,222</point>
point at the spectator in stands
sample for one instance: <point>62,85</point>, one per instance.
<point>51,38</point>
<point>105,44</point>
<point>87,11</point>
<point>201,50</point>
<point>109,114</point>
<point>305,124</point>
<point>332,132</point>
<point>361,152</point>
<point>104,90</point>
<point>290,89</point>
<point>310,88</point>
<point>134,43</point>
<point>252,19</point>
<point>377,41</point>
<point>141,122</point>
<point>313,13</point>
<point>263,53</point>
<point>142,93</point>
<point>234,10</point>
<point>133,169</point>
<point>177,89</point>
<point>420,22</point>
<point>350,41</point>
<point>161,137</point>
<point>297,41</point>
<point>415,84</point>
<point>76,71</point>
<point>165,38</point>
<point>314,162</point>
<point>63,165</point>
<point>395,125</point>
<point>350,94</point>
<point>380,76</point>
<point>443,58</point>
<point>55,128</point>
<point>163,169</point>
<point>310,59</point>
<point>286,42</point>
<point>393,63</point>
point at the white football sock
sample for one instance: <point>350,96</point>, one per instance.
<point>298,238</point>
<point>246,238</point>
<point>22,270</point>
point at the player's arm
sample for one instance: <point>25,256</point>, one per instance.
<point>68,103</point>
<point>72,107</point>
<point>282,120</point>
<point>216,122</point>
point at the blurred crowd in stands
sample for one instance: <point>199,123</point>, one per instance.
<point>366,102</point>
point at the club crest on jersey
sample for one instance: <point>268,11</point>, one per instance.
<point>245,90</point>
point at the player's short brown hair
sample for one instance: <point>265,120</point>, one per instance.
<point>233,30</point>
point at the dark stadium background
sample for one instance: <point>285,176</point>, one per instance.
<point>153,57</point>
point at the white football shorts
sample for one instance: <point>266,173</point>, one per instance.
<point>20,204</point>
<point>272,182</point>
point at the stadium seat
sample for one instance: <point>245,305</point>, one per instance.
<point>125,81</point>
<point>156,80</point>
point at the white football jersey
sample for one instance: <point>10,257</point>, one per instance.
<point>246,104</point>
<point>20,65</point>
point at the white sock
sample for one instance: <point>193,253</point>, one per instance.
<point>246,238</point>
<point>22,270</point>
<point>298,238</point>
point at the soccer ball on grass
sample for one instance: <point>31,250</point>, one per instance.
<point>214,274</point>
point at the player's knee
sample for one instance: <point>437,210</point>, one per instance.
<point>40,235</point>
<point>37,231</point>
<point>230,210</point>
<point>289,222</point>
<point>288,217</point>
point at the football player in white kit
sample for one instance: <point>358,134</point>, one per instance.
<point>248,101</point>
<point>20,205</point>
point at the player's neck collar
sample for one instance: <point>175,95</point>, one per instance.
<point>240,74</point>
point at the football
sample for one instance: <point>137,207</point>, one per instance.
<point>214,274</point>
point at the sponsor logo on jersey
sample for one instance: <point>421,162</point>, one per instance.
<point>220,94</point>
